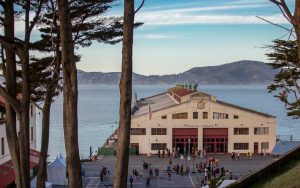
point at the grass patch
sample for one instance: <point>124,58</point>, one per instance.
<point>287,177</point>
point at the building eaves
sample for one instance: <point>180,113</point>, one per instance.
<point>245,109</point>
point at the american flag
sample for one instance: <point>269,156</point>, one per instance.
<point>149,112</point>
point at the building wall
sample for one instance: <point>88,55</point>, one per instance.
<point>4,158</point>
<point>246,120</point>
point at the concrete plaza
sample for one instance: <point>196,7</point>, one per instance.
<point>238,168</point>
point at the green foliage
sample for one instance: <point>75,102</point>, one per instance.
<point>284,57</point>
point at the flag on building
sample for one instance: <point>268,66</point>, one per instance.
<point>149,112</point>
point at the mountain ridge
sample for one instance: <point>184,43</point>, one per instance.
<point>235,73</point>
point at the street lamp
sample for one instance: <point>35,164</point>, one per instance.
<point>189,150</point>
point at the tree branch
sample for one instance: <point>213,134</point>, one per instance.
<point>36,17</point>
<point>289,30</point>
<point>143,1</point>
<point>36,105</point>
<point>287,11</point>
<point>13,47</point>
<point>11,100</point>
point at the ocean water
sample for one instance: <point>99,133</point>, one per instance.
<point>99,107</point>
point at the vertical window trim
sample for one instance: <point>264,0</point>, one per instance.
<point>2,146</point>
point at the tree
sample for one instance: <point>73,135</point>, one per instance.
<point>70,92</point>
<point>284,57</point>
<point>19,145</point>
<point>125,87</point>
<point>294,19</point>
<point>88,25</point>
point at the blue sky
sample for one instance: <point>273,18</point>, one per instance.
<point>179,35</point>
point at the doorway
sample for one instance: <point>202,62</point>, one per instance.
<point>185,140</point>
<point>136,146</point>
<point>255,147</point>
<point>215,140</point>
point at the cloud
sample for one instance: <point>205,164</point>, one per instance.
<point>185,19</point>
<point>156,36</point>
<point>207,8</point>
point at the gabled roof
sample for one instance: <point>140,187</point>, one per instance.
<point>180,92</point>
<point>156,102</point>
<point>165,100</point>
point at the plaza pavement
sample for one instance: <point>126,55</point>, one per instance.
<point>238,168</point>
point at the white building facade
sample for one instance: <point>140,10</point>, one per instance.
<point>7,177</point>
<point>185,119</point>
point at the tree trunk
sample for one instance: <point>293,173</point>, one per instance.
<point>297,25</point>
<point>24,142</point>
<point>10,79</point>
<point>70,92</point>
<point>125,98</point>
<point>42,171</point>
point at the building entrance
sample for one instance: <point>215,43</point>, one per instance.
<point>181,139</point>
<point>215,140</point>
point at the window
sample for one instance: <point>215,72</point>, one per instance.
<point>235,117</point>
<point>261,130</point>
<point>205,115</point>
<point>164,117</point>
<point>241,146</point>
<point>31,132</point>
<point>241,131</point>
<point>158,131</point>
<point>265,145</point>
<point>195,115</point>
<point>138,131</point>
<point>2,146</point>
<point>217,115</point>
<point>180,116</point>
<point>159,146</point>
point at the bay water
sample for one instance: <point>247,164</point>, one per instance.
<point>98,112</point>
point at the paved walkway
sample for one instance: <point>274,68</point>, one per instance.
<point>238,168</point>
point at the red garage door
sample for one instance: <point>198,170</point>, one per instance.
<point>215,140</point>
<point>181,137</point>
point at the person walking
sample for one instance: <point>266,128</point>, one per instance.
<point>169,174</point>
<point>148,181</point>
<point>197,184</point>
<point>131,181</point>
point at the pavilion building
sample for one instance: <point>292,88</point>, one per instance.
<point>186,119</point>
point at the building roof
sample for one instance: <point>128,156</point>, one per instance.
<point>157,102</point>
<point>7,174</point>
<point>245,109</point>
<point>165,100</point>
<point>180,91</point>
<point>283,147</point>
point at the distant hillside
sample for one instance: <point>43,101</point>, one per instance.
<point>241,72</point>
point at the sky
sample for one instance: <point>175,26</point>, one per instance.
<point>178,35</point>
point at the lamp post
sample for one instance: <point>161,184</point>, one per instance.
<point>189,150</point>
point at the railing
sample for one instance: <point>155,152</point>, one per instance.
<point>290,137</point>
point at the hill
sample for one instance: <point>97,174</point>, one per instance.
<point>236,73</point>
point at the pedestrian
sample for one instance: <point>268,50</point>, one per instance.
<point>101,176</point>
<point>238,155</point>
<point>131,181</point>
<point>148,182</point>
<point>197,184</point>
<point>163,154</point>
<point>248,155</point>
<point>150,173</point>
<point>169,174</point>
<point>158,153</point>
<point>174,152</point>
<point>170,162</point>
